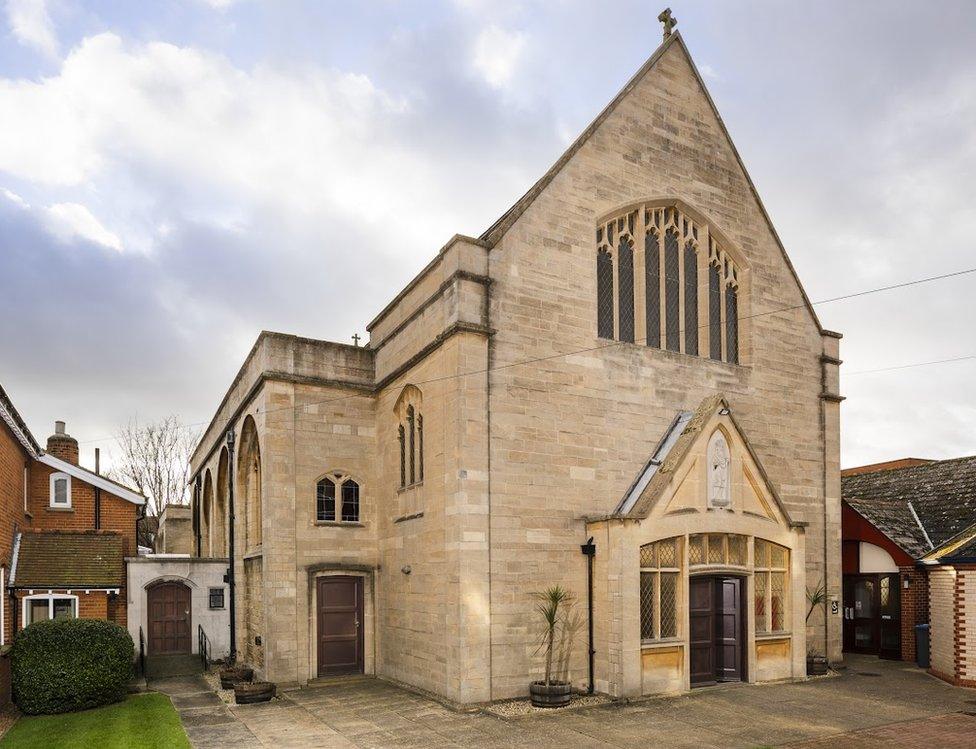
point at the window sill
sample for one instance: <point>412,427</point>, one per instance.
<point>49,508</point>
<point>411,516</point>
<point>606,342</point>
<point>255,553</point>
<point>410,487</point>
<point>784,635</point>
<point>339,524</point>
<point>670,642</point>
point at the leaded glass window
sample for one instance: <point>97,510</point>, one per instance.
<point>403,455</point>
<point>714,313</point>
<point>325,496</point>
<point>731,325</point>
<point>420,447</point>
<point>604,294</point>
<point>350,501</point>
<point>771,586</point>
<point>659,575</point>
<point>652,289</point>
<point>691,299</point>
<point>672,286</point>
<point>625,290</point>
<point>717,549</point>
<point>411,437</point>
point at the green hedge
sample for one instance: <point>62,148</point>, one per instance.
<point>71,664</point>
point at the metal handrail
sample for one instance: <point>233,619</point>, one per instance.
<point>203,646</point>
<point>142,653</point>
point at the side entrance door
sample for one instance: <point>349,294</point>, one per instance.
<point>872,615</point>
<point>168,607</point>
<point>340,630</point>
<point>716,630</point>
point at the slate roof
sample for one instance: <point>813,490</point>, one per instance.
<point>69,559</point>
<point>942,495</point>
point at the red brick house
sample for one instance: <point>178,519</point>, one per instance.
<point>64,531</point>
<point>908,529</point>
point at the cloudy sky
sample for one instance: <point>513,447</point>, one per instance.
<point>176,176</point>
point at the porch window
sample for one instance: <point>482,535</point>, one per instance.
<point>772,566</point>
<point>660,564</point>
<point>717,549</point>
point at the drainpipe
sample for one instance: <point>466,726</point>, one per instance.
<point>98,498</point>
<point>589,550</point>
<point>229,577</point>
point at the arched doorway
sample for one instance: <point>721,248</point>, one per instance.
<point>169,620</point>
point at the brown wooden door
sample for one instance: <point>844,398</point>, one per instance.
<point>715,626</point>
<point>340,625</point>
<point>169,619</point>
<point>701,610</point>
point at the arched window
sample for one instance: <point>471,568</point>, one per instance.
<point>672,286</point>
<point>691,299</point>
<point>604,294</point>
<point>350,501</point>
<point>403,456</point>
<point>411,428</point>
<point>731,324</point>
<point>410,434</point>
<point>652,289</point>
<point>325,496</point>
<point>328,490</point>
<point>625,289</point>
<point>714,313</point>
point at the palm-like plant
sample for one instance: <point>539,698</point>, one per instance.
<point>816,597</point>
<point>553,607</point>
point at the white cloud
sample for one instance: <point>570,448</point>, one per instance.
<point>219,4</point>
<point>31,24</point>
<point>71,221</point>
<point>14,198</point>
<point>497,53</point>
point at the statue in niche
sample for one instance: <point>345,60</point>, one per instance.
<point>719,469</point>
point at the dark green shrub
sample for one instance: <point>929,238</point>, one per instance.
<point>71,664</point>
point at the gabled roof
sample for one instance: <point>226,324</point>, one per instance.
<point>90,477</point>
<point>497,230</point>
<point>17,425</point>
<point>921,508</point>
<point>672,449</point>
<point>68,559</point>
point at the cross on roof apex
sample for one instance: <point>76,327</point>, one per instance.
<point>669,22</point>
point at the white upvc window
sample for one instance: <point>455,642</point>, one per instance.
<point>60,490</point>
<point>39,608</point>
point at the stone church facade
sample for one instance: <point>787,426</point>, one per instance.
<point>625,356</point>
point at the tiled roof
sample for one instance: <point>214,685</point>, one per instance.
<point>75,559</point>
<point>942,494</point>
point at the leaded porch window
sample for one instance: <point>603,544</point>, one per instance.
<point>660,564</point>
<point>717,549</point>
<point>771,593</point>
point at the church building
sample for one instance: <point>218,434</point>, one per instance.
<point>620,387</point>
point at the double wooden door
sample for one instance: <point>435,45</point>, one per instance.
<point>340,624</point>
<point>872,615</point>
<point>168,607</point>
<point>716,609</point>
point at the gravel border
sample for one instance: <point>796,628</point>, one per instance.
<point>524,707</point>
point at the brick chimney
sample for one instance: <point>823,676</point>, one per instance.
<point>63,445</point>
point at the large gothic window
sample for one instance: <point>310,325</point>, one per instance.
<point>625,287</point>
<point>671,263</point>
<point>410,436</point>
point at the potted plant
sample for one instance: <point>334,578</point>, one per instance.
<point>816,661</point>
<point>553,607</point>
<point>259,691</point>
<point>234,675</point>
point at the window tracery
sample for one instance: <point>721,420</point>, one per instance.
<point>410,436</point>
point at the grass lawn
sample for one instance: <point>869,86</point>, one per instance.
<point>143,721</point>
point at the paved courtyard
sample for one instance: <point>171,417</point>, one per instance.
<point>872,704</point>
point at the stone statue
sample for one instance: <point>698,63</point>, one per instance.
<point>719,469</point>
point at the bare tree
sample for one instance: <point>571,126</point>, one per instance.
<point>155,459</point>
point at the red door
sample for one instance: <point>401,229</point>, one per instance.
<point>169,619</point>
<point>340,630</point>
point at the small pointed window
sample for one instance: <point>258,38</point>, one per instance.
<point>420,447</point>
<point>672,286</point>
<point>625,289</point>
<point>350,501</point>
<point>325,497</point>
<point>403,456</point>
<point>604,294</point>
<point>691,299</point>
<point>411,427</point>
<point>652,289</point>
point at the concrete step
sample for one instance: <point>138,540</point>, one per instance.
<point>163,666</point>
